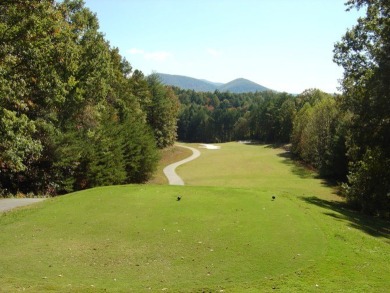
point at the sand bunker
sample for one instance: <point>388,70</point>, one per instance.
<point>209,146</point>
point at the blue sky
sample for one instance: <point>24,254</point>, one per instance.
<point>284,45</point>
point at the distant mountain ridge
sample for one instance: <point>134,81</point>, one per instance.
<point>239,85</point>
<point>242,85</point>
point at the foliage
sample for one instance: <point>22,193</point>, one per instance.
<point>225,116</point>
<point>140,153</point>
<point>72,116</point>
<point>162,112</point>
<point>272,117</point>
<point>364,53</point>
<point>18,148</point>
<point>369,184</point>
<point>318,136</point>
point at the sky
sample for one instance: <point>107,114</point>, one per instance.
<point>284,45</point>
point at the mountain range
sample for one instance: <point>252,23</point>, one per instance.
<point>239,85</point>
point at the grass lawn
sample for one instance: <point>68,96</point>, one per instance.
<point>225,235</point>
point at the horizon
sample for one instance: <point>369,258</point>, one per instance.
<point>284,46</point>
<point>202,78</point>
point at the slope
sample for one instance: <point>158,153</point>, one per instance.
<point>239,85</point>
<point>187,83</point>
<point>242,85</point>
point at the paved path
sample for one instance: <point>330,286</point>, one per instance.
<point>10,203</point>
<point>169,170</point>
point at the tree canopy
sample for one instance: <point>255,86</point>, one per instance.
<point>72,115</point>
<point>364,53</point>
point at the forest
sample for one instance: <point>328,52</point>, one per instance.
<point>74,114</point>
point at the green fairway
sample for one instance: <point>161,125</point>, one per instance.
<point>226,234</point>
<point>254,166</point>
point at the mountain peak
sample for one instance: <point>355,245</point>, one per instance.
<point>239,85</point>
<point>242,85</point>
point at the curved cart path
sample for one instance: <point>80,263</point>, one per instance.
<point>169,170</point>
<point>10,203</point>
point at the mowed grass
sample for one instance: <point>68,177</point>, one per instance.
<point>225,236</point>
<point>252,166</point>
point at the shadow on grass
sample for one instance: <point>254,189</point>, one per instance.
<point>284,146</point>
<point>268,145</point>
<point>339,210</point>
<point>306,171</point>
<point>297,167</point>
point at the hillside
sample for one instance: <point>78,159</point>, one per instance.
<point>239,85</point>
<point>242,85</point>
<point>187,83</point>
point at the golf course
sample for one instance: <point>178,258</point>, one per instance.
<point>249,219</point>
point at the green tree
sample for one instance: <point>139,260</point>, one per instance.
<point>31,85</point>
<point>162,112</point>
<point>140,88</point>
<point>368,183</point>
<point>107,166</point>
<point>364,53</point>
<point>70,113</point>
<point>298,136</point>
<point>318,135</point>
<point>241,128</point>
<point>272,116</point>
<point>18,148</point>
<point>286,115</point>
<point>139,151</point>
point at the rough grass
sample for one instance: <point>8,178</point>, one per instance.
<point>228,235</point>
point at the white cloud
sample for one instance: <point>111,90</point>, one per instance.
<point>213,52</point>
<point>154,56</point>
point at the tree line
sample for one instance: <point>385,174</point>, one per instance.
<point>73,114</point>
<point>224,116</point>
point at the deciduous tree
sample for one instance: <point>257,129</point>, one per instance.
<point>364,53</point>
